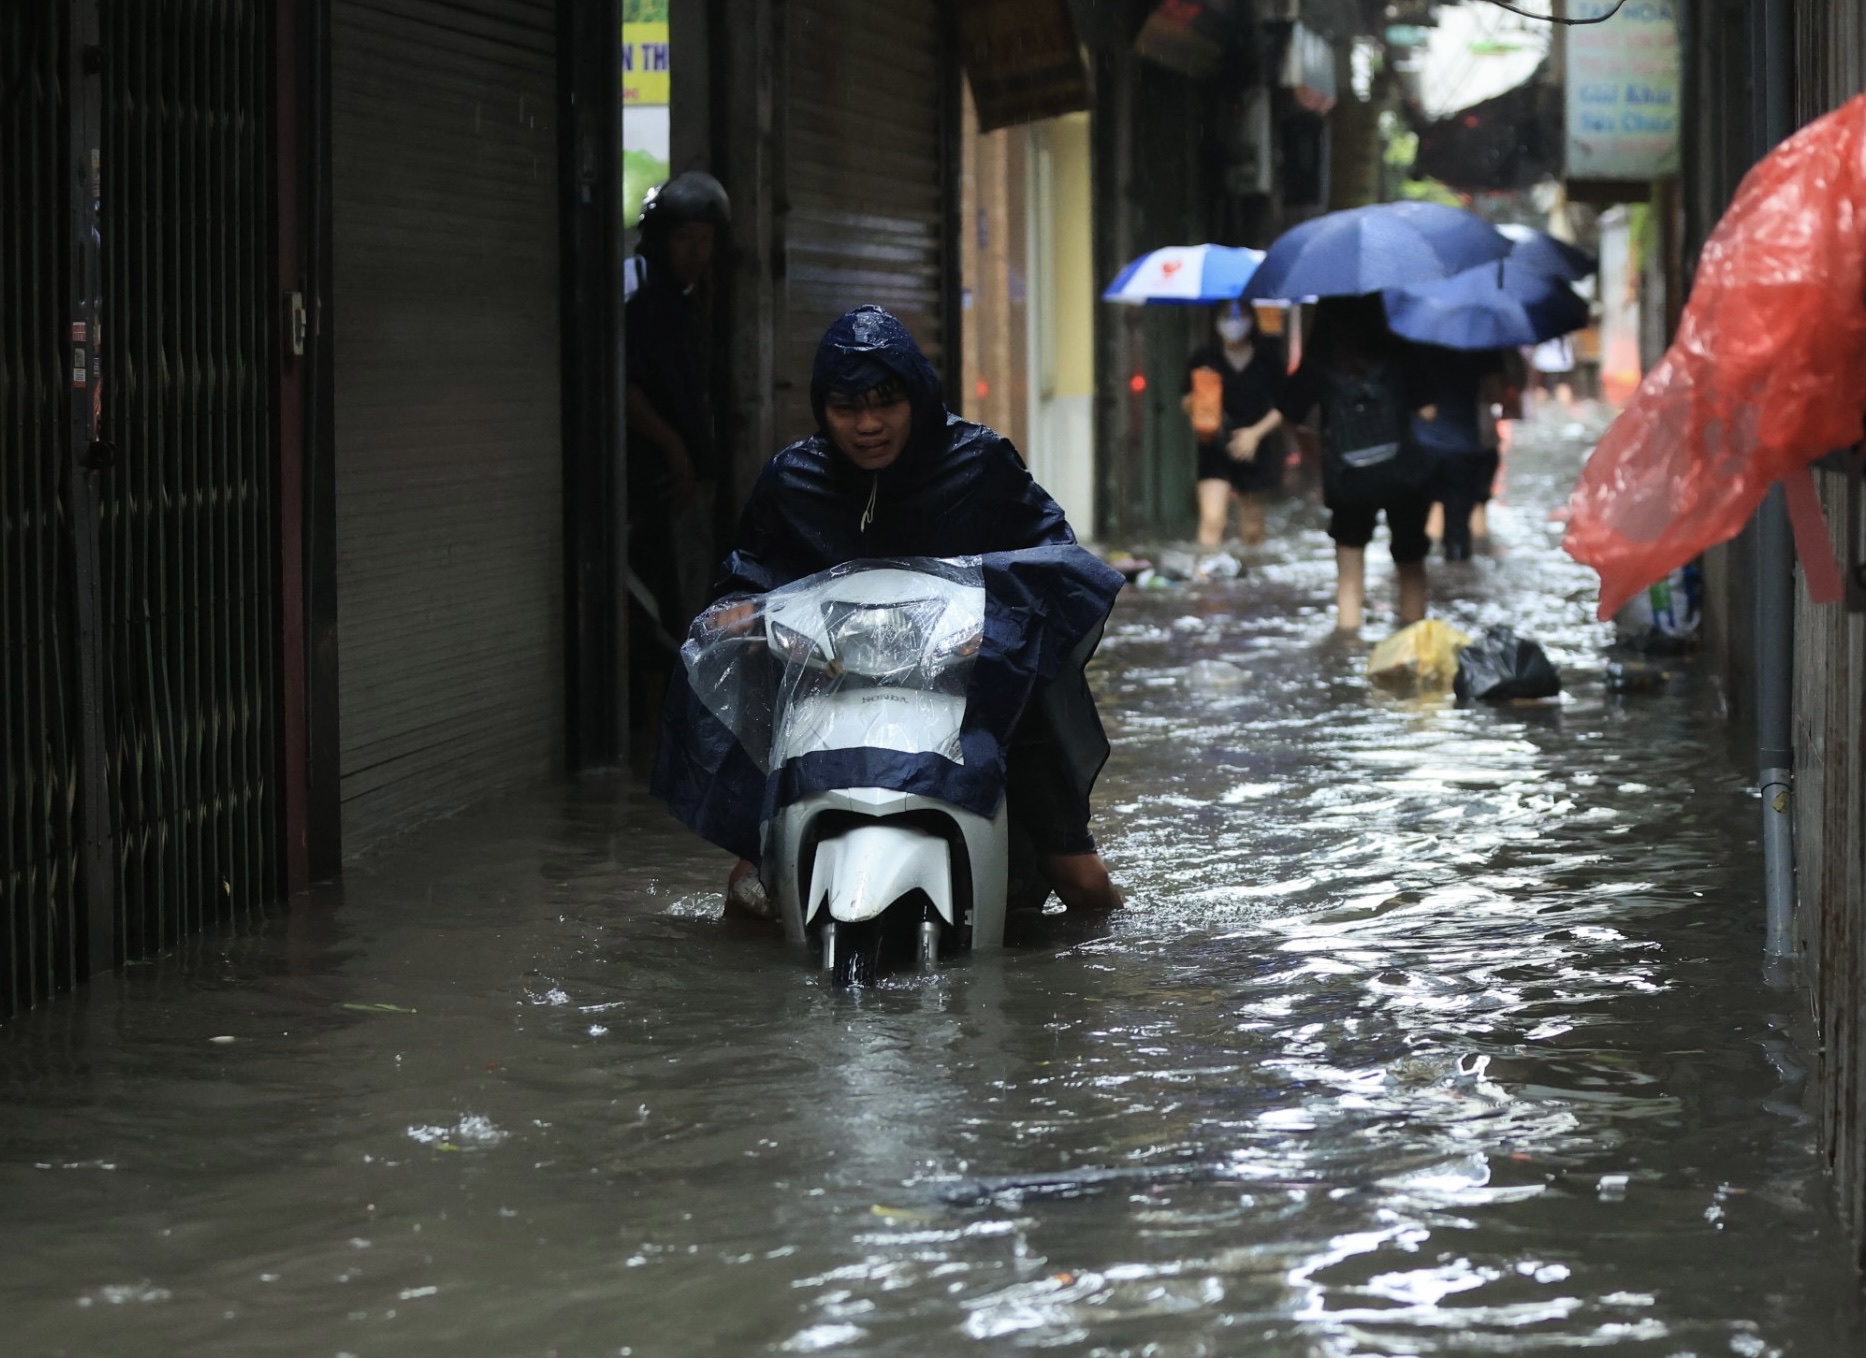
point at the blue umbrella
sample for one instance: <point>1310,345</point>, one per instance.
<point>1490,307</point>
<point>1186,274</point>
<point>1367,249</point>
<point>1541,252</point>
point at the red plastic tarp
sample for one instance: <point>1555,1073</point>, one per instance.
<point>1767,373</point>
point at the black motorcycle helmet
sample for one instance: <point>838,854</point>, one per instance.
<point>691,196</point>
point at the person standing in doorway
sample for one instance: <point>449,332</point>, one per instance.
<point>1232,388</point>
<point>672,458</point>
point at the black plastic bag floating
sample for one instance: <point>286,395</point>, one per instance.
<point>1500,666</point>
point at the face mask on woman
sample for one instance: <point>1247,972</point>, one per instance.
<point>1233,329</point>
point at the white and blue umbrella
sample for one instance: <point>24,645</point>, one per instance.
<point>1186,274</point>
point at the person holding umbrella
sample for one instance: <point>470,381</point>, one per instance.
<point>1364,380</point>
<point>1369,391</point>
<point>1464,324</point>
<point>1232,387</point>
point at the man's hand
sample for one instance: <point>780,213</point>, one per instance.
<point>1243,446</point>
<point>733,617</point>
<point>679,476</point>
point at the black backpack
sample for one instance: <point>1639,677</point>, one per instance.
<point>1368,452</point>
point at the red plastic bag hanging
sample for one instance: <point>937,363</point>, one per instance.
<point>1767,373</point>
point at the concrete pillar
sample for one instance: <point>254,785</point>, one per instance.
<point>746,45</point>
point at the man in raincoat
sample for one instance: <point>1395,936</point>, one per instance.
<point>892,473</point>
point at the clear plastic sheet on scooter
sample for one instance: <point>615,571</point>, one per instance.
<point>868,655</point>
<point>1042,607</point>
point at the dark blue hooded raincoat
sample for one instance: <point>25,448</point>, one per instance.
<point>958,489</point>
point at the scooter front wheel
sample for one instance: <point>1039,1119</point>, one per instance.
<point>851,953</point>
<point>860,965</point>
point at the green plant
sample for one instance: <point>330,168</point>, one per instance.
<point>1401,143</point>
<point>1429,191</point>
<point>1641,235</point>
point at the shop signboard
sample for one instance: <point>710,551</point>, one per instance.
<point>646,65</point>
<point>1622,95</point>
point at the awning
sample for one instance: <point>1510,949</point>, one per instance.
<point>1023,60</point>
<point>1509,142</point>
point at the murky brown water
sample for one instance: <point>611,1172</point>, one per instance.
<point>1429,1031</point>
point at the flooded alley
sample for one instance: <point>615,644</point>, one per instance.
<point>1428,1030</point>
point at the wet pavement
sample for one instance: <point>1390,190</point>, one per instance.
<point>1429,1031</point>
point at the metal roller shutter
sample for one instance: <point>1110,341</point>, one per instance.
<point>449,510</point>
<point>867,178</point>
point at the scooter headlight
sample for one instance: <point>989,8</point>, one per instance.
<point>882,642</point>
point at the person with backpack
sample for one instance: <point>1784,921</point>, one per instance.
<point>1365,382</point>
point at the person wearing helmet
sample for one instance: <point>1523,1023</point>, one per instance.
<point>672,452</point>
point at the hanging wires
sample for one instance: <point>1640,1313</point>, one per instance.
<point>1551,19</point>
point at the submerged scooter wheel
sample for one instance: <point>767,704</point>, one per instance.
<point>851,953</point>
<point>860,965</point>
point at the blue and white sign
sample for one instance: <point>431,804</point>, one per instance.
<point>1623,91</point>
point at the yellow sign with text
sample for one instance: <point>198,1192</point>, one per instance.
<point>644,63</point>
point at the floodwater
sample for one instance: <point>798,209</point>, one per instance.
<point>1428,1031</point>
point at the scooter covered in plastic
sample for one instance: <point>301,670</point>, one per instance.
<point>847,732</point>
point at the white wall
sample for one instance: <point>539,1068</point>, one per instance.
<point>1063,297</point>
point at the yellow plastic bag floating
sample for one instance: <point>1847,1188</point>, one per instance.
<point>1423,657</point>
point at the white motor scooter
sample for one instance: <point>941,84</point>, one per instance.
<point>877,657</point>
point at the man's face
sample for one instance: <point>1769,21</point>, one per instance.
<point>690,250</point>
<point>870,429</point>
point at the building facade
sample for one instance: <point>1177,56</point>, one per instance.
<point>311,457</point>
<point>1753,72</point>
<point>311,374</point>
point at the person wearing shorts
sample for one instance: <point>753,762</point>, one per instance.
<point>1240,461</point>
<point>1463,384</point>
<point>1350,341</point>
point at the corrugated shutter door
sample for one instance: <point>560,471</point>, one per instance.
<point>866,178</point>
<point>449,511</point>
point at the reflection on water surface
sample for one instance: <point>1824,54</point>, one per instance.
<point>1429,1031</point>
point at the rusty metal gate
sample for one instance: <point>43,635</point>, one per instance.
<point>139,633</point>
<point>38,660</point>
<point>189,566</point>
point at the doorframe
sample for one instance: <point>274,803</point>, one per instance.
<point>318,831</point>
<point>589,45</point>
